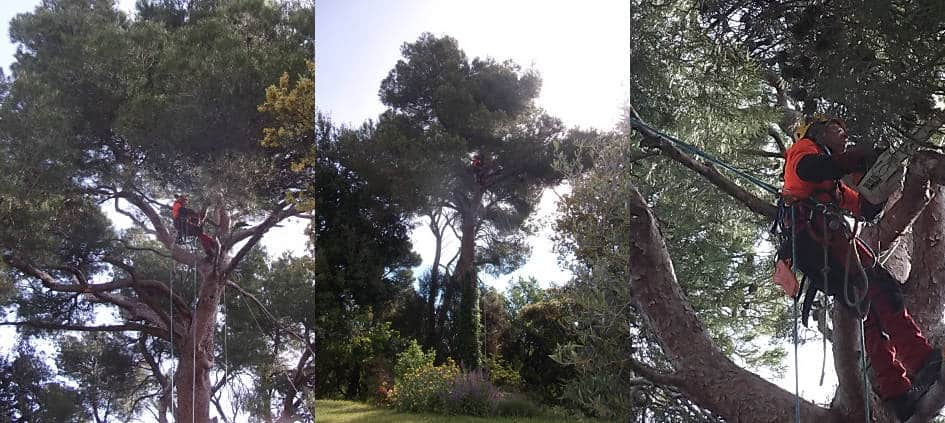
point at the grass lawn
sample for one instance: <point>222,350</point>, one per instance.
<point>327,411</point>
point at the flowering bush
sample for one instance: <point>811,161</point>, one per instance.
<point>424,389</point>
<point>502,374</point>
<point>444,389</point>
<point>412,358</point>
<point>472,394</point>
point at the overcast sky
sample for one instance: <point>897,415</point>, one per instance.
<point>578,48</point>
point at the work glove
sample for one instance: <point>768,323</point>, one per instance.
<point>857,159</point>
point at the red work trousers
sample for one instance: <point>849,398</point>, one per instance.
<point>905,350</point>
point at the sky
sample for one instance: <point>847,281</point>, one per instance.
<point>579,49</point>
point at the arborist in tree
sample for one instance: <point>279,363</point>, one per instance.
<point>477,169</point>
<point>834,260</point>
<point>189,223</point>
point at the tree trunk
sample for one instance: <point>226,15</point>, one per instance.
<point>926,285</point>
<point>434,286</point>
<point>702,372</point>
<point>196,353</point>
<point>469,325</point>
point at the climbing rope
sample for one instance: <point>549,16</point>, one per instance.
<point>797,296</point>
<point>193,367</point>
<point>639,125</point>
<point>826,210</point>
<point>277,328</point>
<point>170,327</point>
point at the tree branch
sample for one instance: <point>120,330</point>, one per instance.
<point>712,174</point>
<point>707,374</point>
<point>653,375</point>
<point>257,233</point>
<point>124,327</point>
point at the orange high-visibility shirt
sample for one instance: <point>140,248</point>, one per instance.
<point>833,191</point>
<point>175,210</point>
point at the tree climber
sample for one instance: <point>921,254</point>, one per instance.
<point>188,223</point>
<point>903,362</point>
<point>477,169</point>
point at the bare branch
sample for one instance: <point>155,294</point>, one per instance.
<point>124,327</point>
<point>134,219</point>
<point>132,247</point>
<point>257,233</point>
<point>653,375</point>
<point>142,204</point>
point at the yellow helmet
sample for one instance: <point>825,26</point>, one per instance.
<point>804,125</point>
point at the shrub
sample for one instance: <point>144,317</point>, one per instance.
<point>424,389</point>
<point>516,406</point>
<point>472,394</point>
<point>501,373</point>
<point>412,358</point>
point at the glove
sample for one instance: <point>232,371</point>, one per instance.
<point>857,159</point>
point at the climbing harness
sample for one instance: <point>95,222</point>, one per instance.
<point>873,181</point>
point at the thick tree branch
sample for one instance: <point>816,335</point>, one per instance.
<point>124,327</point>
<point>133,247</point>
<point>257,233</point>
<point>707,373</point>
<point>160,230</point>
<point>710,173</point>
<point>653,375</point>
<point>926,167</point>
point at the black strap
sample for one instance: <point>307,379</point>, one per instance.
<point>809,297</point>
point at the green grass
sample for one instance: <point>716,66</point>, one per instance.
<point>327,411</point>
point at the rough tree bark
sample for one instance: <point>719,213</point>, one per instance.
<point>708,377</point>
<point>146,311</point>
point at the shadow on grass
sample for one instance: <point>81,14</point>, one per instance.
<point>328,411</point>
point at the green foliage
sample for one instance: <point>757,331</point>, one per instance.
<point>29,393</point>
<point>536,333</point>
<point>687,86</point>
<point>293,109</point>
<point>443,109</point>
<point>522,292</point>
<point>516,406</point>
<point>104,367</point>
<point>495,320</point>
<point>872,62</point>
<point>412,359</point>
<point>425,389</point>
<point>502,373</point>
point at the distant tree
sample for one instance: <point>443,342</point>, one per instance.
<point>495,320</point>
<point>465,140</point>
<point>29,392</point>
<point>522,292</point>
